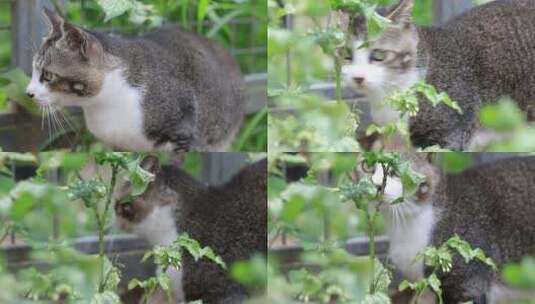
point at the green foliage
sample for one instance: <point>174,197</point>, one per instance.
<point>521,275</point>
<point>319,126</point>
<point>253,135</point>
<point>13,85</point>
<point>171,256</point>
<point>441,261</point>
<point>90,192</point>
<point>33,208</point>
<point>139,13</point>
<point>508,127</point>
<point>194,248</point>
<point>454,162</point>
<point>251,273</point>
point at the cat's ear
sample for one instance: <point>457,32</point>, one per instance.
<point>76,39</point>
<point>53,20</point>
<point>402,13</point>
<point>151,163</point>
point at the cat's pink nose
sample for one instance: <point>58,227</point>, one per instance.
<point>359,80</point>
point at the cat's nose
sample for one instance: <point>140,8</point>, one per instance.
<point>359,80</point>
<point>30,94</point>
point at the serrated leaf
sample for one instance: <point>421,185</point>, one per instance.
<point>164,281</point>
<point>90,192</point>
<point>139,178</point>
<point>106,297</point>
<point>114,8</point>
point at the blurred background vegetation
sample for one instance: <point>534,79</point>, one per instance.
<point>240,25</point>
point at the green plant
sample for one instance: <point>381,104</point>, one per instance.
<point>364,192</point>
<point>441,261</point>
<point>41,213</point>
<point>171,256</point>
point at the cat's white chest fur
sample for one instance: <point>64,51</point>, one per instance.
<point>159,228</point>
<point>115,114</point>
<point>410,238</point>
<point>409,229</point>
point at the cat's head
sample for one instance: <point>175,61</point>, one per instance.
<point>421,164</point>
<point>388,64</point>
<point>155,202</point>
<point>70,65</point>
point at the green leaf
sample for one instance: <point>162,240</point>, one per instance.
<point>16,90</point>
<point>194,248</point>
<point>455,162</point>
<point>435,284</point>
<point>377,298</point>
<point>106,297</point>
<point>164,281</point>
<point>521,275</point>
<point>502,116</point>
<point>202,8</point>
<point>139,178</point>
<point>90,192</point>
<point>120,159</point>
<point>410,179</point>
<point>114,8</point>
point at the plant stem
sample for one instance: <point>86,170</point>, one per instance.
<point>101,223</point>
<point>338,77</point>
<point>372,218</point>
<point>371,236</point>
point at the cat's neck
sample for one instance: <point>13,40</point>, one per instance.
<point>115,114</point>
<point>409,234</point>
<point>159,227</point>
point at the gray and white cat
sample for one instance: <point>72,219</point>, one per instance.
<point>166,90</point>
<point>476,58</point>
<point>490,206</point>
<point>388,64</point>
<point>231,219</point>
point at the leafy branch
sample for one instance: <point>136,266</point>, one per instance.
<point>441,261</point>
<point>171,256</point>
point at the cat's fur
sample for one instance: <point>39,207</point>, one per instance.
<point>408,224</point>
<point>491,206</point>
<point>166,90</point>
<point>231,219</point>
<point>398,71</point>
<point>476,58</point>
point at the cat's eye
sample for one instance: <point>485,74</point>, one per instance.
<point>48,76</point>
<point>424,188</point>
<point>378,55</point>
<point>367,168</point>
<point>77,86</point>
